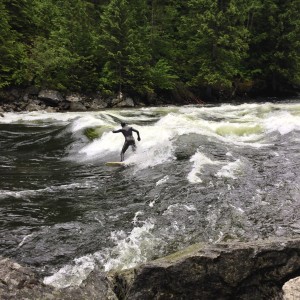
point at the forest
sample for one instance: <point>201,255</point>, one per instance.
<point>204,48</point>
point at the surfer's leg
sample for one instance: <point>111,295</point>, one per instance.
<point>133,146</point>
<point>125,147</point>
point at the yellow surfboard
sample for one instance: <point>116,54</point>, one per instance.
<point>115,164</point>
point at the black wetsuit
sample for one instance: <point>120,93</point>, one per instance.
<point>129,139</point>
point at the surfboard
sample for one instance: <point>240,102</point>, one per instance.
<point>115,164</point>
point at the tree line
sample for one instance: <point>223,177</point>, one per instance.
<point>144,47</point>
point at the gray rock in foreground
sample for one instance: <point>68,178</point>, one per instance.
<point>225,271</point>
<point>18,282</point>
<point>291,289</point>
<point>254,270</point>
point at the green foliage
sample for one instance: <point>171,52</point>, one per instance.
<point>124,47</point>
<point>144,46</point>
<point>12,51</point>
<point>62,56</point>
<point>20,18</point>
<point>165,19</point>
<point>112,42</point>
<point>49,64</point>
<point>275,43</point>
<point>216,44</point>
<point>162,76</point>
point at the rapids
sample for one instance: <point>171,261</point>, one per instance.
<point>200,174</point>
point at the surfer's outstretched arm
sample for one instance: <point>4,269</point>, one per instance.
<point>138,134</point>
<point>116,131</point>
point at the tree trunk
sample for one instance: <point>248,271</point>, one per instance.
<point>209,91</point>
<point>274,83</point>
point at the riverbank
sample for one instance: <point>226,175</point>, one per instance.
<point>254,270</point>
<point>35,99</point>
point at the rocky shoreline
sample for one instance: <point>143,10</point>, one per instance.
<point>255,270</point>
<point>34,99</point>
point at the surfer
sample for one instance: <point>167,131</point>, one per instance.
<point>129,139</point>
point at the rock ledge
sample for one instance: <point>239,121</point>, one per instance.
<point>254,270</point>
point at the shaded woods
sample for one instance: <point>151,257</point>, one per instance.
<point>196,49</point>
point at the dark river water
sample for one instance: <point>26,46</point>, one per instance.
<point>200,174</point>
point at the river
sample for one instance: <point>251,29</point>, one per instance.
<point>200,174</point>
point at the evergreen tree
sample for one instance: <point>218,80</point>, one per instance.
<point>132,62</point>
<point>112,42</point>
<point>275,44</point>
<point>163,76</point>
<point>62,58</point>
<point>12,51</point>
<point>217,43</point>
<point>137,49</point>
<point>164,41</point>
<point>165,18</point>
<point>124,47</point>
<point>20,18</point>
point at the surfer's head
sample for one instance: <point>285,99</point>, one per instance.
<point>123,124</point>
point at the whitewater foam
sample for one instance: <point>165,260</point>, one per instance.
<point>129,250</point>
<point>231,170</point>
<point>199,160</point>
<point>25,194</point>
<point>245,125</point>
<point>24,240</point>
<point>163,180</point>
<point>282,122</point>
<point>72,275</point>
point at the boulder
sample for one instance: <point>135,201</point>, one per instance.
<point>10,95</point>
<point>32,90</point>
<point>19,282</point>
<point>31,93</point>
<point>16,94</point>
<point>291,289</point>
<point>33,107</point>
<point>225,271</point>
<point>122,102</point>
<point>98,103</point>
<point>63,106</point>
<point>50,97</point>
<point>50,109</point>
<point>77,106</point>
<point>9,107</point>
<point>253,270</point>
<point>74,98</point>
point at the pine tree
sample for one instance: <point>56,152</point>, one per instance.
<point>275,44</point>
<point>20,18</point>
<point>62,55</point>
<point>165,18</point>
<point>164,41</point>
<point>217,43</point>
<point>12,51</point>
<point>124,47</point>
<point>112,41</point>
